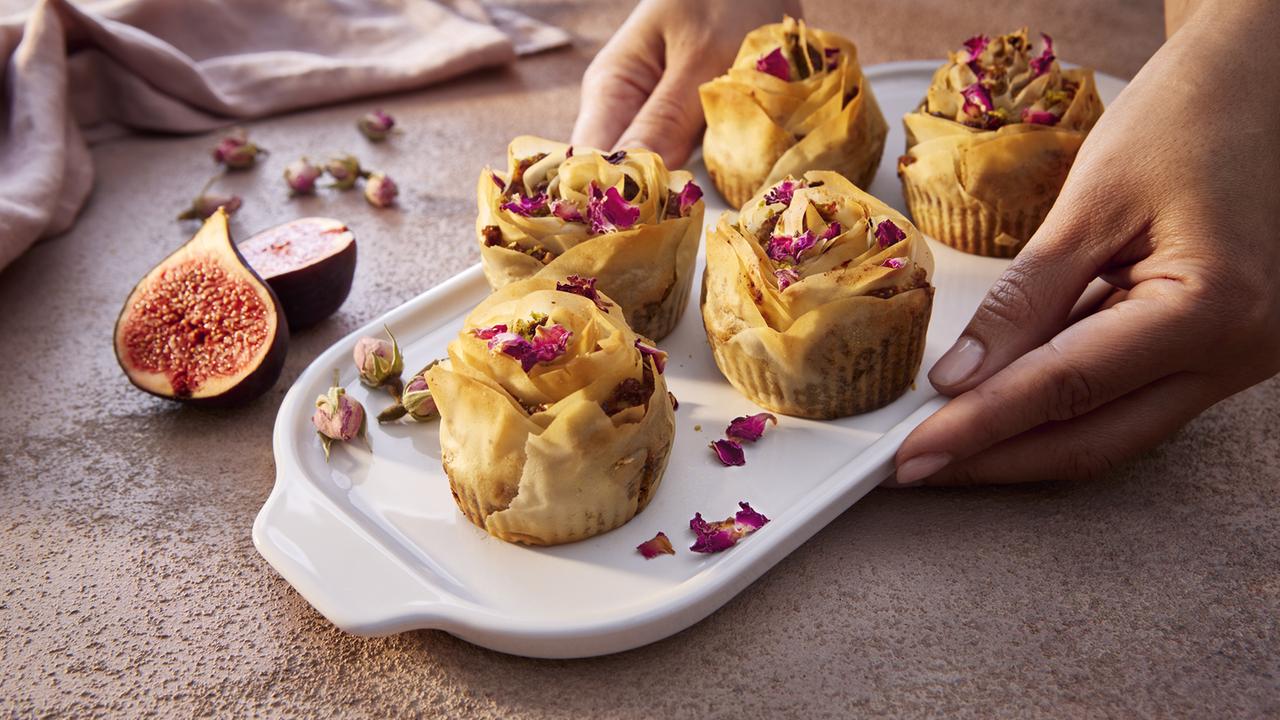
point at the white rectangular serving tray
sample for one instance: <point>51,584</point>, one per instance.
<point>372,539</point>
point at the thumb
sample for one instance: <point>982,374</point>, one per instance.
<point>1033,298</point>
<point>671,119</point>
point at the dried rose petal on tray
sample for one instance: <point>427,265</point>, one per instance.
<point>660,544</point>
<point>720,536</point>
<point>750,427</point>
<point>729,452</point>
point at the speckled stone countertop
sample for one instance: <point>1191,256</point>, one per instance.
<point>129,585</point>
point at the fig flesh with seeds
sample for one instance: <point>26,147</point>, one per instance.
<point>308,262</point>
<point>202,327</point>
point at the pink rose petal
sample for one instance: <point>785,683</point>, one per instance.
<point>729,452</point>
<point>775,64</point>
<point>749,428</point>
<point>660,544</point>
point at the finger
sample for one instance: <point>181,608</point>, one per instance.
<point>1032,299</point>
<point>1091,445</point>
<point>615,88</point>
<point>671,119</point>
<point>1103,357</point>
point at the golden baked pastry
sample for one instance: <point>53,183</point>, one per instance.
<point>794,100</point>
<point>817,299</point>
<point>555,421</point>
<point>621,218</point>
<point>990,146</point>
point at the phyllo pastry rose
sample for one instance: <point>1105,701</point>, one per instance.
<point>621,218</point>
<point>794,100</point>
<point>817,300</point>
<point>555,420</point>
<point>990,146</point>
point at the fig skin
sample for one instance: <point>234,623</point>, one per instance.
<point>214,237</point>
<point>313,291</point>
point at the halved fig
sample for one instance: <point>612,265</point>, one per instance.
<point>202,327</point>
<point>309,262</point>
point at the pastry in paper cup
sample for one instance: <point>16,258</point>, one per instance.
<point>794,100</point>
<point>990,146</point>
<point>816,298</point>
<point>555,421</point>
<point>621,218</point>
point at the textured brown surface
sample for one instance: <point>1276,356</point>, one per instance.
<point>129,586</point>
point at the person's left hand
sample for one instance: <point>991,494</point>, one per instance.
<point>1172,201</point>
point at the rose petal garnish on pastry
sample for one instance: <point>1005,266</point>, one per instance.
<point>659,356</point>
<point>729,452</point>
<point>660,544</point>
<point>555,425</point>
<point>991,144</point>
<point>749,428</point>
<point>794,100</point>
<point>720,536</point>
<point>816,298</point>
<point>621,218</point>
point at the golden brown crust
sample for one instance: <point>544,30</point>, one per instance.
<point>847,336</point>
<point>761,128</point>
<point>647,268</point>
<point>987,191</point>
<point>512,442</point>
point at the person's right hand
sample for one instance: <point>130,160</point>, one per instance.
<point>642,88</point>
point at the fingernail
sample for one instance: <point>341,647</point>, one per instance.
<point>957,364</point>
<point>914,471</point>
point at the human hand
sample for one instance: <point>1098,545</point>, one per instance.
<point>1173,202</point>
<point>642,87</point>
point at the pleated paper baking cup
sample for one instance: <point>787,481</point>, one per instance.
<point>656,320</point>
<point>734,187</point>
<point>565,523</point>
<point>861,369</point>
<point>973,227</point>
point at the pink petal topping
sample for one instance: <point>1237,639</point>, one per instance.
<point>894,263</point>
<point>568,152</point>
<point>720,536</point>
<point>616,157</point>
<point>659,357</point>
<point>526,206</point>
<point>832,56</point>
<point>784,248</point>
<point>566,211</point>
<point>889,234</point>
<point>1040,65</point>
<point>729,452</point>
<point>497,181</point>
<point>749,428</point>
<point>786,276</point>
<point>976,99</point>
<point>689,196</point>
<point>549,342</point>
<point>490,332</point>
<point>586,287</point>
<point>975,45</point>
<point>608,212</point>
<point>660,544</point>
<point>775,64</point>
<point>1039,117</point>
<point>782,192</point>
<point>832,232</point>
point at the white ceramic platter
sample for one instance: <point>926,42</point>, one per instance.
<point>372,539</point>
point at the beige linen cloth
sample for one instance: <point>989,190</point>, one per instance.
<point>193,65</point>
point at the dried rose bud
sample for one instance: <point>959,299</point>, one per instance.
<point>301,176</point>
<point>338,418</point>
<point>208,203</point>
<point>417,400</point>
<point>380,190</point>
<point>379,361</point>
<point>344,170</point>
<point>376,125</point>
<point>236,152</point>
